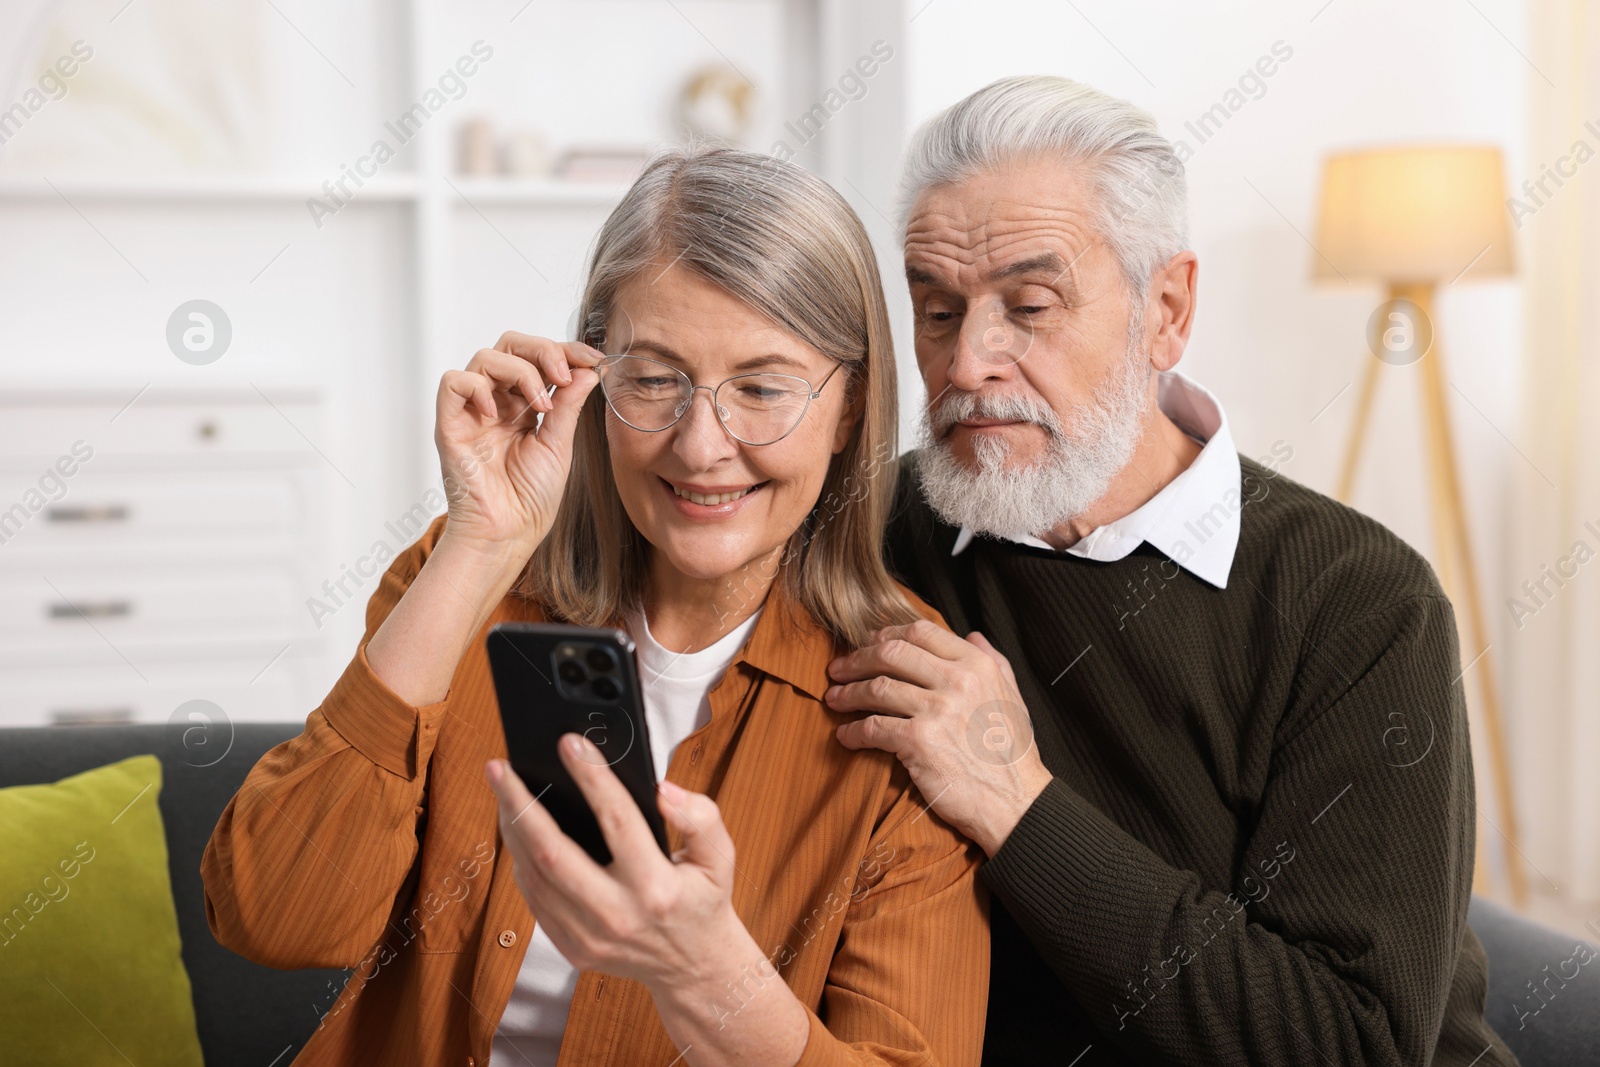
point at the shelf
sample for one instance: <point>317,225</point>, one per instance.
<point>538,192</point>
<point>207,188</point>
<point>273,188</point>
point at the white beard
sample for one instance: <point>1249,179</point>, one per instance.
<point>1002,499</point>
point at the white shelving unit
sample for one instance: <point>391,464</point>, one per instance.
<point>197,190</point>
<point>155,553</point>
<point>424,265</point>
<point>405,189</point>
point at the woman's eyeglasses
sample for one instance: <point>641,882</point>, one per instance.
<point>755,409</point>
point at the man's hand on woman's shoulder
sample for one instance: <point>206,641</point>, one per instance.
<point>950,711</point>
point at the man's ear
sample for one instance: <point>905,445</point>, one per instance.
<point>855,405</point>
<point>1170,307</point>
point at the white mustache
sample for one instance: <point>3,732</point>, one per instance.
<point>963,405</point>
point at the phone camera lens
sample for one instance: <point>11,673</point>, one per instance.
<point>572,672</point>
<point>600,661</point>
<point>606,689</point>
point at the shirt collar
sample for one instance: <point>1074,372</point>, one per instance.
<point>789,644</point>
<point>1194,519</point>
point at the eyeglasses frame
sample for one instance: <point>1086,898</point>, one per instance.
<point>716,408</point>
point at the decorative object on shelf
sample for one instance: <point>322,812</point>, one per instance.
<point>717,104</point>
<point>1409,217</point>
<point>526,155</point>
<point>478,156</point>
<point>615,165</point>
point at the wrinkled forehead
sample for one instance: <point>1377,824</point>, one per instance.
<point>675,315</point>
<point>982,225</point>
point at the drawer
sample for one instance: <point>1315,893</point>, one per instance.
<point>165,424</point>
<point>132,514</point>
<point>106,694</point>
<point>131,610</point>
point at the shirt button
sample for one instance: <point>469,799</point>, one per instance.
<point>508,938</point>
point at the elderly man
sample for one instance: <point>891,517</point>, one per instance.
<point>1207,724</point>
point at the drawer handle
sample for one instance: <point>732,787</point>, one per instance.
<point>88,513</point>
<point>91,609</point>
<point>90,716</point>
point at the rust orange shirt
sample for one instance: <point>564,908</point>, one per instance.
<point>371,842</point>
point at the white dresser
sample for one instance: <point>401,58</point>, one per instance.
<point>159,551</point>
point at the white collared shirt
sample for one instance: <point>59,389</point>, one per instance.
<point>1195,517</point>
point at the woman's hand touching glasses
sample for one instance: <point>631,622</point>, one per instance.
<point>503,478</point>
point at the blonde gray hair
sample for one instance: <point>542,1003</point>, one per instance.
<point>1142,213</point>
<point>784,242</point>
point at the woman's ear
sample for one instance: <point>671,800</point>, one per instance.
<point>850,418</point>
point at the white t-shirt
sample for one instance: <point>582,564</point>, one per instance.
<point>675,687</point>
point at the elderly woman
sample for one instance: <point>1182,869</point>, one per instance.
<point>813,911</point>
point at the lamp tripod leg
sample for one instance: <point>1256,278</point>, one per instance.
<point>1358,431</point>
<point>1457,565</point>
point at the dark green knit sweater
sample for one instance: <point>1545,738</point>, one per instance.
<point>1258,845</point>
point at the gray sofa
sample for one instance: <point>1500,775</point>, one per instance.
<point>253,1016</point>
<point>1560,1027</point>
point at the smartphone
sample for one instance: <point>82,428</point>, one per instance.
<point>552,679</point>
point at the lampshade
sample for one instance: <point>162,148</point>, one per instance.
<point>1413,214</point>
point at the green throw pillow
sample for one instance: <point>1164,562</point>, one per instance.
<point>90,971</point>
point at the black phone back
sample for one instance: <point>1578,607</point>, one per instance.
<point>553,679</point>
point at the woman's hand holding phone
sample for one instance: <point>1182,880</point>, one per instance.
<point>644,916</point>
<point>503,479</point>
<point>667,923</point>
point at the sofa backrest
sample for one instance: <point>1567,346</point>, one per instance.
<point>254,1016</point>
<point>247,1014</point>
<point>1544,1000</point>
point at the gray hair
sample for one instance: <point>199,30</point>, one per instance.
<point>768,232</point>
<point>785,243</point>
<point>1142,212</point>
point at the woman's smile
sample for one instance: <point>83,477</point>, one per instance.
<point>711,502</point>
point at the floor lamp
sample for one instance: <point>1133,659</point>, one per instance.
<point>1413,218</point>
